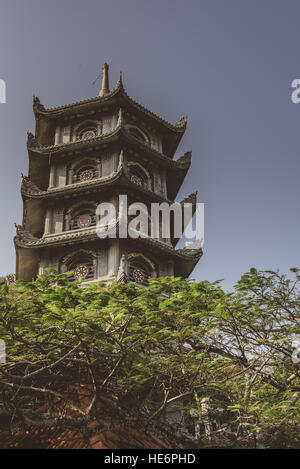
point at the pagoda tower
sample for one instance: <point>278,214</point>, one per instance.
<point>87,153</point>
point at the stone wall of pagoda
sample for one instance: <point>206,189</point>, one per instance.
<point>64,173</point>
<point>74,214</point>
<point>104,164</point>
<point>79,215</point>
<point>104,263</point>
<point>73,130</point>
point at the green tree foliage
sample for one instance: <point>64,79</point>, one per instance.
<point>155,352</point>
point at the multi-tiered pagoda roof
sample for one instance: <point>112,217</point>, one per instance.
<point>83,154</point>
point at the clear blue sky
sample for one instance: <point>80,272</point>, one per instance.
<point>227,64</point>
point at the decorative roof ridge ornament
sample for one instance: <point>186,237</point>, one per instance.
<point>119,84</point>
<point>194,252</point>
<point>195,246</point>
<point>31,141</point>
<point>184,160</point>
<point>105,81</point>
<point>191,198</point>
<point>23,235</point>
<point>121,161</point>
<point>36,104</point>
<point>120,118</point>
<point>28,185</point>
<point>182,122</point>
<point>122,275</point>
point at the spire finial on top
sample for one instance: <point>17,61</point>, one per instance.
<point>105,85</point>
<point>119,82</point>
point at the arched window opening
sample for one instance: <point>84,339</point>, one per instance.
<point>139,176</point>
<point>140,271</point>
<point>83,267</point>
<point>82,217</point>
<point>87,130</point>
<point>86,173</point>
<point>138,133</point>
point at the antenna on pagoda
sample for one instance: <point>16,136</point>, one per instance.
<point>105,86</point>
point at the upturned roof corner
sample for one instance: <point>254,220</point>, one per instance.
<point>36,104</point>
<point>182,123</point>
<point>185,160</point>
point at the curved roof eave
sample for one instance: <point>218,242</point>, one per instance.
<point>55,112</point>
<point>31,191</point>
<point>26,240</point>
<point>182,163</point>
